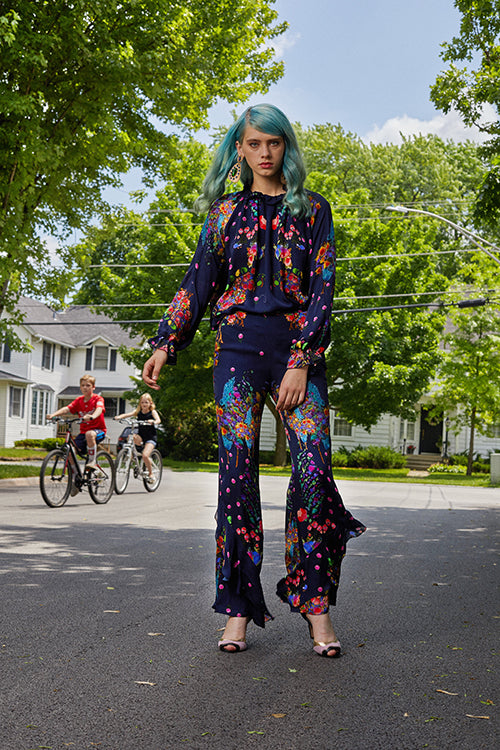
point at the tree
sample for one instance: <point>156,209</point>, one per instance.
<point>89,89</point>
<point>468,90</point>
<point>467,384</point>
<point>382,361</point>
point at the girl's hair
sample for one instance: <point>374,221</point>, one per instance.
<point>138,407</point>
<point>271,120</point>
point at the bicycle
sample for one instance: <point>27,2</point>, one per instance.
<point>129,458</point>
<point>61,472</point>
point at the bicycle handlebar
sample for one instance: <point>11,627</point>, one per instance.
<point>66,420</point>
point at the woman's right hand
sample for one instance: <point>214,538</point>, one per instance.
<point>152,368</point>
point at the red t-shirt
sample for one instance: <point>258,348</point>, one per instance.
<point>81,407</point>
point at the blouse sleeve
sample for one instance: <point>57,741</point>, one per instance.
<point>182,317</point>
<point>314,337</point>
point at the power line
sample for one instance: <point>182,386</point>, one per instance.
<point>368,296</point>
<point>339,260</point>
<point>438,305</point>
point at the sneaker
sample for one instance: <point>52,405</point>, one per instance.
<point>90,466</point>
<point>74,490</point>
<point>150,479</point>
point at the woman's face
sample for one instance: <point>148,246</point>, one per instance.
<point>263,152</point>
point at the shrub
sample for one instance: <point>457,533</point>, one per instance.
<point>339,458</point>
<point>446,469</point>
<point>28,443</point>
<point>190,436</point>
<point>50,443</point>
<point>376,457</point>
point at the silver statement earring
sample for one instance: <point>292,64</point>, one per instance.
<point>234,173</point>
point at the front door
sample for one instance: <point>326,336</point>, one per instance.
<point>431,432</point>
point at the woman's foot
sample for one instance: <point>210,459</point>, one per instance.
<point>321,630</point>
<point>233,639</point>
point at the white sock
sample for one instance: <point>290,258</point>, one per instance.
<point>91,452</point>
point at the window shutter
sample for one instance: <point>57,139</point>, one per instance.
<point>122,406</point>
<point>53,346</point>
<point>68,361</point>
<point>112,359</point>
<point>88,359</point>
<point>6,352</point>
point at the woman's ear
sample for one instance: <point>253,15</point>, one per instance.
<point>238,149</point>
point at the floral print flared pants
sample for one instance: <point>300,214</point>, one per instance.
<point>251,356</point>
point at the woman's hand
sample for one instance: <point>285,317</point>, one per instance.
<point>152,368</point>
<point>292,390</point>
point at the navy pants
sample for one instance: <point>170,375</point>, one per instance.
<point>251,356</point>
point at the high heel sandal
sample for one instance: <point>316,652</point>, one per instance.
<point>323,649</point>
<point>237,645</point>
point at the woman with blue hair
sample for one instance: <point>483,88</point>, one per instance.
<point>265,264</point>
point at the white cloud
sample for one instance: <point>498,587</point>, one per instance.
<point>448,126</point>
<point>285,42</point>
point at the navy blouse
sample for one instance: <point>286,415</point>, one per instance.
<point>254,257</point>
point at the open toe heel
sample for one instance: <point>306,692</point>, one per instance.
<point>329,650</point>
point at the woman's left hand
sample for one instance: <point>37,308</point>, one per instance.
<point>293,387</point>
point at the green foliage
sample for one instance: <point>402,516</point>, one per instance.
<point>50,443</point>
<point>446,469</point>
<point>190,435</point>
<point>28,443</point>
<point>467,89</point>
<point>370,457</point>
<point>91,88</point>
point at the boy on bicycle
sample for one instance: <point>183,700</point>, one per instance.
<point>90,408</point>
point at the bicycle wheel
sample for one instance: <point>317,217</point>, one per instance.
<point>122,471</point>
<point>157,465</point>
<point>55,478</point>
<point>102,480</point>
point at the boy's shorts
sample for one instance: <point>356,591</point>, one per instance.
<point>81,441</point>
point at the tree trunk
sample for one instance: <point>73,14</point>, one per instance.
<point>280,448</point>
<point>471,441</point>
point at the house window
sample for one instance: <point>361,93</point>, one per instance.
<point>5,352</point>
<point>114,406</point>
<point>408,428</point>
<point>101,357</point>
<point>104,358</point>
<point>16,401</point>
<point>495,430</point>
<point>65,356</point>
<point>48,356</point>
<point>40,407</point>
<point>341,427</point>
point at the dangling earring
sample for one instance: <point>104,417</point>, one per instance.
<point>234,173</point>
<point>283,182</point>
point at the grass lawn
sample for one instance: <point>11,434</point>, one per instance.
<point>361,475</point>
<point>8,471</point>
<point>22,454</point>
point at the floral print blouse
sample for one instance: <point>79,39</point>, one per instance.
<point>254,257</point>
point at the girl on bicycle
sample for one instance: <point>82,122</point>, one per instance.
<point>146,413</point>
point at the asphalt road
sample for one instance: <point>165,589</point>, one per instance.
<point>108,639</point>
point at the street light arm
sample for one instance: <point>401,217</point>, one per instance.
<point>466,232</point>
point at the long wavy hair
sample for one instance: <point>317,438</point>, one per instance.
<point>270,120</point>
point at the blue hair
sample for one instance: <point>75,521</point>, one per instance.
<point>271,120</point>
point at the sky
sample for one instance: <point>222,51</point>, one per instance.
<point>366,64</point>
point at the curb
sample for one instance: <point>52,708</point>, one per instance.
<point>19,481</point>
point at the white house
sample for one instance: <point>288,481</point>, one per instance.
<point>64,346</point>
